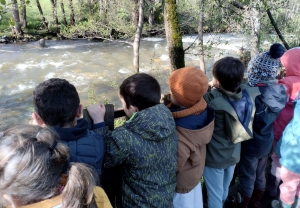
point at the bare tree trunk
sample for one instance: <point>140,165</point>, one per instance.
<point>135,12</point>
<point>286,45</point>
<point>62,6</point>
<point>200,34</point>
<point>42,15</point>
<point>23,18</point>
<point>151,13</point>
<point>137,37</point>
<point>54,13</point>
<point>16,17</point>
<point>103,8</point>
<point>173,34</point>
<point>72,16</point>
<point>255,27</point>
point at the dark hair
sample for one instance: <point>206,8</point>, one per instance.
<point>229,72</point>
<point>140,90</point>
<point>276,50</point>
<point>56,101</point>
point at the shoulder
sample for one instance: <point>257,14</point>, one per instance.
<point>213,94</point>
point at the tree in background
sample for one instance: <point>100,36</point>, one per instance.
<point>137,37</point>
<point>54,14</point>
<point>72,15</point>
<point>62,7</point>
<point>200,36</point>
<point>23,19</point>
<point>173,35</point>
<point>16,18</point>
<point>45,23</point>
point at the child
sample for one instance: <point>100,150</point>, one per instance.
<point>263,68</point>
<point>287,150</point>
<point>194,125</point>
<point>234,111</point>
<point>291,62</point>
<point>35,171</point>
<point>254,152</point>
<point>145,146</point>
<point>57,105</point>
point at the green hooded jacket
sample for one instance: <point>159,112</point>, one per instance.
<point>224,148</point>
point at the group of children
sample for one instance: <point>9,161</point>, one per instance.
<point>162,150</point>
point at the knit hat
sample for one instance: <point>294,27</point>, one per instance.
<point>188,85</point>
<point>264,66</point>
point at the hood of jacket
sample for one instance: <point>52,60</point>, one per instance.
<point>192,135</point>
<point>291,61</point>
<point>155,123</point>
<point>74,133</point>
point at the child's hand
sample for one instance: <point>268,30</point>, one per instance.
<point>97,112</point>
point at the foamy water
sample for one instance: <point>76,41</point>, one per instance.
<point>85,64</point>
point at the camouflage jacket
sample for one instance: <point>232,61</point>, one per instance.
<point>146,148</point>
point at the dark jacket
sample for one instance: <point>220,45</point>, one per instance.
<point>146,148</point>
<point>224,148</point>
<point>268,106</point>
<point>85,145</point>
<point>194,132</point>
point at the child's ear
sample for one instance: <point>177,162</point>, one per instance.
<point>79,111</point>
<point>37,119</point>
<point>133,109</point>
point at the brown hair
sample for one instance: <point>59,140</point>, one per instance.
<point>32,163</point>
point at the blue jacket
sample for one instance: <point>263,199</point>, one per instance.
<point>269,104</point>
<point>288,146</point>
<point>146,148</point>
<point>85,145</point>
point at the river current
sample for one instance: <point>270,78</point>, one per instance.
<point>90,66</point>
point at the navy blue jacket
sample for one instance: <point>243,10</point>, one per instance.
<point>85,145</point>
<point>191,121</point>
<point>268,106</point>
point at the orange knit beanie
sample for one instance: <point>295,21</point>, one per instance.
<point>188,85</point>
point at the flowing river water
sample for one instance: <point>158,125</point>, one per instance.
<point>97,67</point>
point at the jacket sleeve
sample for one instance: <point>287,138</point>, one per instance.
<point>116,149</point>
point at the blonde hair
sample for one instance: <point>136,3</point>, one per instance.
<point>32,162</point>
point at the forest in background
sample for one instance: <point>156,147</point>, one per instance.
<point>129,20</point>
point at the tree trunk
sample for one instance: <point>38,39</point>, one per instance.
<point>23,19</point>
<point>286,45</point>
<point>151,13</point>
<point>54,13</point>
<point>62,6</point>
<point>72,16</point>
<point>103,8</point>
<point>137,37</point>
<point>135,12</point>
<point>255,27</point>
<point>200,34</point>
<point>16,17</point>
<point>173,35</point>
<point>42,15</point>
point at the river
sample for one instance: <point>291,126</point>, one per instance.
<point>99,66</point>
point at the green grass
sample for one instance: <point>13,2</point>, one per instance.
<point>34,20</point>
